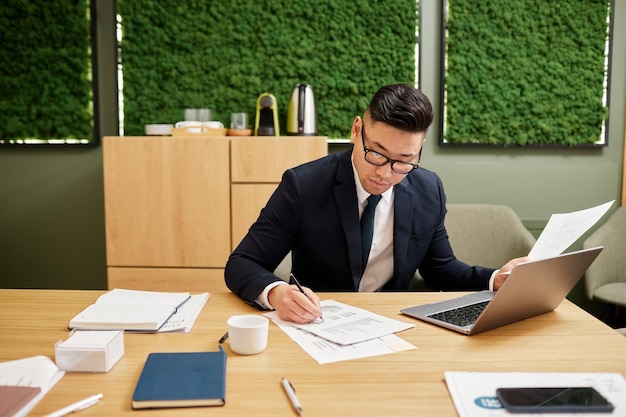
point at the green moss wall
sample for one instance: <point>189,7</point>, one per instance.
<point>45,71</point>
<point>223,55</point>
<point>525,72</point>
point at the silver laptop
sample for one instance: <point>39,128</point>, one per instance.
<point>533,288</point>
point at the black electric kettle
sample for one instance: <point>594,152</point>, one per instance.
<point>301,114</point>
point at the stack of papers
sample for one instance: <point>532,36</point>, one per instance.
<point>346,332</point>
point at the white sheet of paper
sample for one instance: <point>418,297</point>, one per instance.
<point>344,324</point>
<point>474,393</point>
<point>183,320</point>
<point>564,229</point>
<point>325,351</point>
<point>36,371</point>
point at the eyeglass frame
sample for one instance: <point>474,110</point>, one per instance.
<point>366,150</point>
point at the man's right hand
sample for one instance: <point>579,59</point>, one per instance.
<point>292,305</point>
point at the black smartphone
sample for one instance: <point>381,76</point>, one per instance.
<point>553,400</point>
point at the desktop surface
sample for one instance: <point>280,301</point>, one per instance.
<point>405,383</point>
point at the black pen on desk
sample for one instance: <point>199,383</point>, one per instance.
<point>223,338</point>
<point>291,393</point>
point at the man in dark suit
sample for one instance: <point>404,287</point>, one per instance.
<point>315,212</point>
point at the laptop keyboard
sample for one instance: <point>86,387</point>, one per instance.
<point>461,316</point>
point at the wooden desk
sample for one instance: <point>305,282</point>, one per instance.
<point>402,384</point>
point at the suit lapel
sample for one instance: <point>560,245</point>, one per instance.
<point>345,195</point>
<point>404,201</point>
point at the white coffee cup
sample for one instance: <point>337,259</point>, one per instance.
<point>247,334</point>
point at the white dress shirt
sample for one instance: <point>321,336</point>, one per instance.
<point>379,269</point>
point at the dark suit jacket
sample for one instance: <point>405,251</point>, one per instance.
<point>314,213</point>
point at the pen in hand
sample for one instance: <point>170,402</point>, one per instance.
<point>294,280</point>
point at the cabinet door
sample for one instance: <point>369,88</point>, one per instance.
<point>248,200</point>
<point>257,166</point>
<point>167,201</point>
<point>265,158</point>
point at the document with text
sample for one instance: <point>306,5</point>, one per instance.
<point>325,351</point>
<point>564,229</point>
<point>344,324</point>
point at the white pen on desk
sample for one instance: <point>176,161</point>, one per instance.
<point>291,393</point>
<point>87,402</point>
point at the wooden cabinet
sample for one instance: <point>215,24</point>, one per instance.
<point>169,202</point>
<point>166,201</point>
<point>257,165</point>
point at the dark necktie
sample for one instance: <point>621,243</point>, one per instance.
<point>367,227</point>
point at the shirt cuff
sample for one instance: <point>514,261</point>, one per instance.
<point>493,276</point>
<point>262,298</point>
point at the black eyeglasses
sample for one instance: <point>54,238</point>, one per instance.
<point>378,159</point>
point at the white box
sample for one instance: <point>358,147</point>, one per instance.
<point>90,350</point>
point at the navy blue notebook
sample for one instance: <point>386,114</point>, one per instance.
<point>182,379</point>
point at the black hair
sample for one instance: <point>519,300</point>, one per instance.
<point>401,106</point>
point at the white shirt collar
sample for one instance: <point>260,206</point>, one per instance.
<point>360,191</point>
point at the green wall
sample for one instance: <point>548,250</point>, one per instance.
<point>51,200</point>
